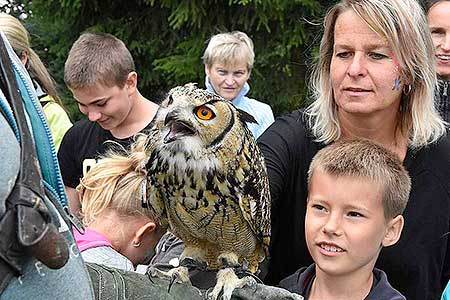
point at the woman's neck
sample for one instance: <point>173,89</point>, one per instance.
<point>384,131</point>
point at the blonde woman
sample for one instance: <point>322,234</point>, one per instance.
<point>374,79</point>
<point>120,232</point>
<point>228,61</point>
<point>44,84</point>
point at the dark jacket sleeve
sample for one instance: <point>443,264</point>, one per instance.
<point>277,145</point>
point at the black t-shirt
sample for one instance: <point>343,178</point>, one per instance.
<point>80,148</point>
<point>418,265</point>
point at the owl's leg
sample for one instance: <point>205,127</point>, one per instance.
<point>227,280</point>
<point>179,274</point>
<point>191,258</point>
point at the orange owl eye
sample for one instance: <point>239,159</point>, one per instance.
<point>204,113</point>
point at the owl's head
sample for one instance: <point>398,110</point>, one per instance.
<point>191,119</point>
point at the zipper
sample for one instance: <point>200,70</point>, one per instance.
<point>54,172</point>
<point>445,89</point>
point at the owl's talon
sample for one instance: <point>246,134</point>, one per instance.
<point>227,282</point>
<point>175,275</point>
<point>174,278</point>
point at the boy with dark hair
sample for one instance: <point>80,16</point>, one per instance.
<point>100,73</point>
<point>357,194</point>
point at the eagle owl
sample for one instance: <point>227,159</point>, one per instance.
<point>208,180</point>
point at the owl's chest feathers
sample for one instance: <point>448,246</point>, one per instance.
<point>203,196</point>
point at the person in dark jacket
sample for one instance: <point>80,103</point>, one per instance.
<point>438,14</point>
<point>357,193</point>
<point>375,78</point>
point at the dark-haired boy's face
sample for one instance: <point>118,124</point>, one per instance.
<point>345,224</point>
<point>108,106</point>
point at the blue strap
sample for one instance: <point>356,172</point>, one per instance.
<point>45,148</point>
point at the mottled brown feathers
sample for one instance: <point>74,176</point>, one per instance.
<point>207,177</point>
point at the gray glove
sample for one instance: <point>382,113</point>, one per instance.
<point>110,283</point>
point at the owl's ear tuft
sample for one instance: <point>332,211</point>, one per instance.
<point>246,117</point>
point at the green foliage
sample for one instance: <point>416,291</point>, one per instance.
<point>167,39</point>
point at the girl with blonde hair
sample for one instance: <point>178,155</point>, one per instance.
<point>121,231</point>
<point>44,84</point>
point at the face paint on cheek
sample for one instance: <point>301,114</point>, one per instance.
<point>397,80</point>
<point>397,84</point>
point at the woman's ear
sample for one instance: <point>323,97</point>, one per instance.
<point>393,231</point>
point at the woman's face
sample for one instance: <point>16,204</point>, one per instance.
<point>364,73</point>
<point>228,79</point>
<point>439,23</point>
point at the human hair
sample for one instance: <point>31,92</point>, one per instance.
<point>363,159</point>
<point>404,26</point>
<point>98,58</point>
<point>19,39</point>
<point>430,3</point>
<point>117,182</point>
<point>229,47</point>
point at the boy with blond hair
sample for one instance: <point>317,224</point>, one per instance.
<point>357,194</point>
<point>101,75</point>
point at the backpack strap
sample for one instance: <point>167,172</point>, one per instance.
<point>26,227</point>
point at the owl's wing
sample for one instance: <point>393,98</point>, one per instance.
<point>154,196</point>
<point>255,201</point>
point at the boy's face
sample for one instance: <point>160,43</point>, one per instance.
<point>108,106</point>
<point>345,225</point>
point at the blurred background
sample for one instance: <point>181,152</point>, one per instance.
<point>167,39</point>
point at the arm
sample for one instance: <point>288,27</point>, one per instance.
<point>275,147</point>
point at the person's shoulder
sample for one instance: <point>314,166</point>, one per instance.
<point>292,124</point>
<point>54,107</point>
<point>382,289</point>
<point>82,130</point>
<point>107,256</point>
<point>435,157</point>
<point>83,127</point>
<point>260,109</point>
<point>298,281</point>
<point>257,103</point>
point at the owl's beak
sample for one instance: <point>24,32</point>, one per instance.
<point>177,128</point>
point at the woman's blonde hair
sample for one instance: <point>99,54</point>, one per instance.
<point>117,182</point>
<point>403,25</point>
<point>19,39</point>
<point>227,48</point>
